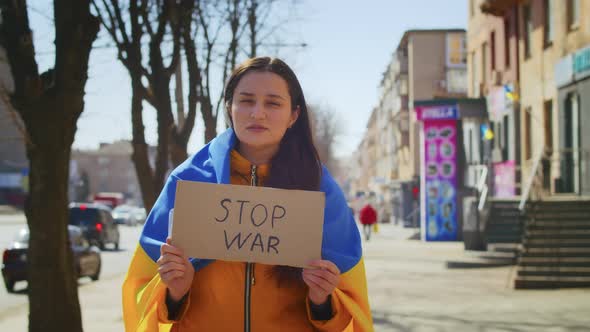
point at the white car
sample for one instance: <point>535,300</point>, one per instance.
<point>125,214</point>
<point>140,214</point>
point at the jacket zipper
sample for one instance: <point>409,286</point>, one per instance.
<point>249,267</point>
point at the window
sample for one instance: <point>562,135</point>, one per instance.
<point>493,140</point>
<point>548,124</point>
<point>500,133</point>
<point>474,76</point>
<point>527,134</point>
<point>505,137</point>
<point>507,42</point>
<point>470,147</point>
<point>548,28</point>
<point>573,14</point>
<point>493,49</point>
<point>528,30</point>
<point>484,63</point>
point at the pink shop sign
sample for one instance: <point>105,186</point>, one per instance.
<point>504,179</point>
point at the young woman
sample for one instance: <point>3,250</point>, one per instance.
<point>269,144</point>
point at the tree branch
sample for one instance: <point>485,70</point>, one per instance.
<point>145,10</point>
<point>120,23</point>
<point>111,29</point>
<point>176,26</point>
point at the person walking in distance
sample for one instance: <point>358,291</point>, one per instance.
<point>368,217</point>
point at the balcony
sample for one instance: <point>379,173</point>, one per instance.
<point>498,7</point>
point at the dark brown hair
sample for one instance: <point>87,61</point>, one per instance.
<point>296,165</point>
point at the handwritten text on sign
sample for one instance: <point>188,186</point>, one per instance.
<point>248,224</point>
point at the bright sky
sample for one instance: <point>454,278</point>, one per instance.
<point>349,46</point>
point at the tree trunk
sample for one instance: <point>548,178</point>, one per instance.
<point>210,130</point>
<point>140,155</point>
<point>164,131</point>
<point>209,120</point>
<point>252,18</point>
<point>178,152</point>
<point>49,256</point>
<point>50,105</point>
<point>165,126</point>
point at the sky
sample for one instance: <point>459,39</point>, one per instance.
<point>349,45</point>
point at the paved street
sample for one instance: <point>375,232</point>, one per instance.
<point>13,307</point>
<point>410,289</point>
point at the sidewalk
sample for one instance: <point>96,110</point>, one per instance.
<point>8,209</point>
<point>100,304</point>
<point>411,289</point>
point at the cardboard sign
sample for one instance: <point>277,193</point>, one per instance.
<point>248,224</point>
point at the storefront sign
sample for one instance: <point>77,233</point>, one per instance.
<point>440,149</point>
<point>581,63</point>
<point>11,180</point>
<point>572,67</point>
<point>436,112</point>
<point>504,179</point>
<point>564,73</point>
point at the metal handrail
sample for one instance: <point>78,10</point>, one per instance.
<point>482,188</point>
<point>531,180</point>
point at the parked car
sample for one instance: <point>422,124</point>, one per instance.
<point>87,260</point>
<point>140,214</point>
<point>125,214</point>
<point>96,222</point>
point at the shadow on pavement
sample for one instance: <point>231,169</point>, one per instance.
<point>418,322</point>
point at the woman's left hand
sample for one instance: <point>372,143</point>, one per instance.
<point>321,279</point>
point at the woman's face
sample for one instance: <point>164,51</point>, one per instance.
<point>261,109</point>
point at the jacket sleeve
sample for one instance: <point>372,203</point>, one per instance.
<point>144,305</point>
<point>341,244</point>
<point>350,305</point>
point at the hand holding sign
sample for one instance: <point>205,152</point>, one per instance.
<point>322,278</point>
<point>175,270</point>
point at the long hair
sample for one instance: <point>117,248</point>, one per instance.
<point>296,165</point>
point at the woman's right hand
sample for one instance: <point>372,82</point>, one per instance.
<point>175,270</point>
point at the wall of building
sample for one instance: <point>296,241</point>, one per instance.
<point>109,171</point>
<point>537,74</point>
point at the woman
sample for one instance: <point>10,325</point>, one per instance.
<point>270,144</point>
<point>368,217</point>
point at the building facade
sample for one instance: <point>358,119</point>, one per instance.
<point>552,36</point>
<point>108,169</point>
<point>427,64</point>
<point>14,164</point>
<point>493,73</point>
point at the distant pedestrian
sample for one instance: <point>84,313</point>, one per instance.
<point>368,217</point>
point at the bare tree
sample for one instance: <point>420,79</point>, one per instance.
<point>50,105</point>
<point>150,21</point>
<point>210,33</point>
<point>231,18</point>
<point>213,19</point>
<point>326,130</point>
<point>259,26</point>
